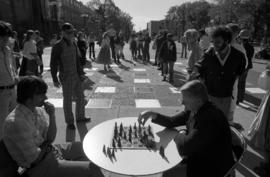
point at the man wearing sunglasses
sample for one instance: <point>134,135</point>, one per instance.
<point>65,59</point>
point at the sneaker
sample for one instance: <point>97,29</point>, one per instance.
<point>71,126</point>
<point>83,120</point>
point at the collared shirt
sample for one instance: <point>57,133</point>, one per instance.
<point>23,132</point>
<point>7,69</point>
<point>223,61</point>
<point>29,47</point>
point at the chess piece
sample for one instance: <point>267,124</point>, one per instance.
<point>113,154</point>
<point>104,149</point>
<point>121,129</point>
<point>135,126</point>
<point>108,151</point>
<point>125,135</point>
<point>113,144</point>
<point>161,151</point>
<point>119,143</point>
<point>135,134</point>
<point>130,129</point>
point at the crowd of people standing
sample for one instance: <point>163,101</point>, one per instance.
<point>219,67</point>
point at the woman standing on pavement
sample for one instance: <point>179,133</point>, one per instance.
<point>30,57</point>
<point>104,56</point>
<point>195,51</point>
<point>259,132</point>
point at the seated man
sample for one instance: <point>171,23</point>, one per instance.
<point>28,132</point>
<point>207,142</point>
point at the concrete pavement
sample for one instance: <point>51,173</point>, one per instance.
<point>127,90</point>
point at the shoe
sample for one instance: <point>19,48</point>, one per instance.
<point>105,69</point>
<point>164,78</point>
<point>82,120</point>
<point>71,126</point>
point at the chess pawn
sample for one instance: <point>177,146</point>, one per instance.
<point>119,143</point>
<point>108,151</point>
<point>113,154</point>
<point>104,149</point>
<point>113,144</point>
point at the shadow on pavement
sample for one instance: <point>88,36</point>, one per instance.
<point>112,75</point>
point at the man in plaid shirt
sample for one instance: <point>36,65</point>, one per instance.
<point>28,133</point>
<point>65,58</point>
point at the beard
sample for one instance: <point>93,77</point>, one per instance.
<point>222,47</point>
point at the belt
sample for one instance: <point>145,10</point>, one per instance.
<point>7,87</point>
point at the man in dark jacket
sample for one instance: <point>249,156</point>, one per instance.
<point>219,68</point>
<point>207,143</point>
<point>65,59</point>
<point>167,57</point>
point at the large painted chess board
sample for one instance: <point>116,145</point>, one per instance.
<point>132,137</point>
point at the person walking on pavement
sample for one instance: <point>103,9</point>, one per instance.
<point>118,45</point>
<point>104,55</point>
<point>82,45</point>
<point>183,41</point>
<point>204,40</point>
<point>168,57</point>
<point>31,60</point>
<point>91,41</point>
<point>140,45</point>
<point>219,67</point>
<point>133,47</point>
<point>146,44</point>
<point>112,45</point>
<point>195,52</point>
<point>8,77</point>
<point>40,46</point>
<point>244,37</point>
<point>65,59</point>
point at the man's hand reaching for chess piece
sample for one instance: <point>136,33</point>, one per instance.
<point>145,115</point>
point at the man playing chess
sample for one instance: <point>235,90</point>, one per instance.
<point>207,142</point>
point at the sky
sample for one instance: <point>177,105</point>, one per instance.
<point>143,11</point>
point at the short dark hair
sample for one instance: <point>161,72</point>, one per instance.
<point>5,30</point>
<point>222,31</point>
<point>29,86</point>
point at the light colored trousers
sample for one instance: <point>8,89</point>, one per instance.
<point>74,164</point>
<point>7,104</point>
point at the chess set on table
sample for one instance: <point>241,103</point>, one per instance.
<point>130,137</point>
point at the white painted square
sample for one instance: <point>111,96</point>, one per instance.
<point>114,66</point>
<point>141,81</point>
<point>147,103</point>
<point>178,63</point>
<point>175,90</point>
<point>58,103</point>
<point>46,68</point>
<point>89,74</point>
<point>139,69</point>
<point>256,90</point>
<point>105,90</point>
<point>99,103</point>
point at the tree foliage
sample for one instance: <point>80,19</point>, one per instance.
<point>250,14</point>
<point>108,15</point>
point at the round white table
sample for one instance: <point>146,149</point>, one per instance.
<point>131,162</point>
